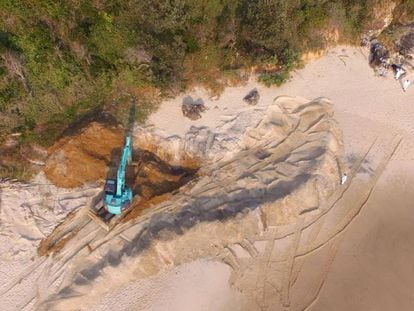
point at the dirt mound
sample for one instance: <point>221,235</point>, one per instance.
<point>75,160</point>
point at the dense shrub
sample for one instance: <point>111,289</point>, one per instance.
<point>61,59</point>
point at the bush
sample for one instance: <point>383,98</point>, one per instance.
<point>290,60</point>
<point>277,78</point>
<point>20,171</point>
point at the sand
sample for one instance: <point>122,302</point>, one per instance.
<point>373,265</point>
<point>372,269</point>
<point>29,212</point>
<point>285,165</point>
<point>178,289</point>
<point>357,257</point>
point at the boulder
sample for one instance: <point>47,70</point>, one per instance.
<point>378,54</point>
<point>192,109</point>
<point>252,98</point>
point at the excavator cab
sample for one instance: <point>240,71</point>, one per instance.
<point>110,187</point>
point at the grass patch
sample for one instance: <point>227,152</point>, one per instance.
<point>19,171</point>
<point>277,78</point>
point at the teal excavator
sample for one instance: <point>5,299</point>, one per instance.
<point>116,198</point>
<point>118,195</point>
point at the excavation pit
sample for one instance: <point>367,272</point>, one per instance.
<point>152,181</point>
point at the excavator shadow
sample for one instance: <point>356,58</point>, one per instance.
<point>153,176</point>
<point>148,175</point>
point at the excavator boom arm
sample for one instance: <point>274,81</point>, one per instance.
<point>125,159</point>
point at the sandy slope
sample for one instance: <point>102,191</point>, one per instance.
<point>373,265</point>
<point>166,291</point>
<point>372,269</point>
<point>356,255</point>
<point>29,212</point>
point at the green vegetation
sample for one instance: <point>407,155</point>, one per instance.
<point>61,59</point>
<point>20,171</point>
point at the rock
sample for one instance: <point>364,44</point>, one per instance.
<point>11,141</point>
<point>378,54</point>
<point>34,154</point>
<point>233,201</point>
<point>192,108</point>
<point>405,44</point>
<point>137,55</point>
<point>252,98</point>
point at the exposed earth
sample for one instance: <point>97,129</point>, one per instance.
<point>241,209</point>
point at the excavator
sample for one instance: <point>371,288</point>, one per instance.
<point>116,197</point>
